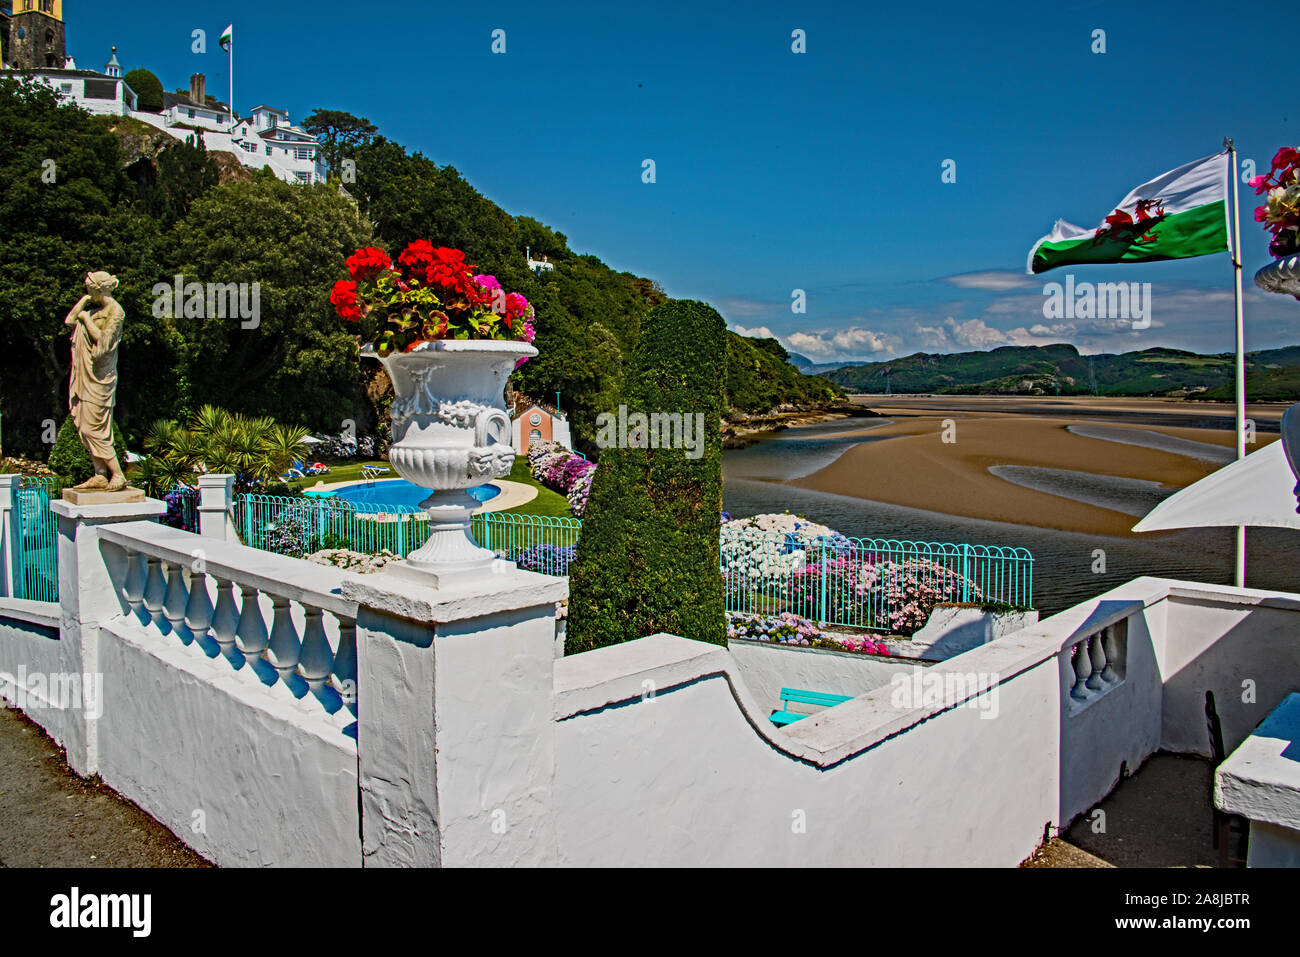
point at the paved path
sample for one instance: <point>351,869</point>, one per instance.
<point>49,817</point>
<point>1162,816</point>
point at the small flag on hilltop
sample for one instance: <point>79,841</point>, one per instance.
<point>1177,215</point>
<point>228,37</point>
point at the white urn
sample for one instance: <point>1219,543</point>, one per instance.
<point>450,434</point>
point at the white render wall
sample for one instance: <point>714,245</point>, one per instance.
<point>246,775</point>
<point>767,668</point>
<point>475,746</point>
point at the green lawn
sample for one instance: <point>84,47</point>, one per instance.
<point>546,502</point>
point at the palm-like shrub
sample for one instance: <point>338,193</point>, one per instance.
<point>255,450</point>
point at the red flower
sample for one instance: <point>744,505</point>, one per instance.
<point>344,300</point>
<point>417,256</point>
<point>366,264</point>
<point>1284,157</point>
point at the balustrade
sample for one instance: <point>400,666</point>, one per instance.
<point>1098,664</point>
<point>161,592</point>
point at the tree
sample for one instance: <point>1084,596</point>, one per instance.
<point>185,172</point>
<point>148,90</point>
<point>648,559</point>
<point>295,359</point>
<point>339,133</point>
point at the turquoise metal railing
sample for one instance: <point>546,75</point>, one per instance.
<point>876,584</point>
<point>39,548</point>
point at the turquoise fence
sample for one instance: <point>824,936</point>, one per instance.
<point>39,548</point>
<point>875,584</point>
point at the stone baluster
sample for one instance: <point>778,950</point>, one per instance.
<point>1082,663</point>
<point>133,586</point>
<point>284,648</point>
<point>251,635</point>
<point>199,611</point>
<point>174,603</point>
<point>316,659</point>
<point>1110,644</point>
<point>345,664</point>
<point>154,590</point>
<point>1097,655</point>
<point>225,622</point>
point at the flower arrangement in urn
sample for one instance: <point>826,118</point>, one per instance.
<point>428,295</point>
<point>1280,213</point>
<point>449,338</point>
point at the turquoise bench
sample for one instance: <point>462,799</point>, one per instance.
<point>795,696</point>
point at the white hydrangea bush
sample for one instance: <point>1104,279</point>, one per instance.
<point>768,548</point>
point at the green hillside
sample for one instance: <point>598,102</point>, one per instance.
<point>148,208</point>
<point>1060,370</point>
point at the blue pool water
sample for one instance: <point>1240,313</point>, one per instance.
<point>402,492</point>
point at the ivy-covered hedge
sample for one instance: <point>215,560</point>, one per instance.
<point>647,560</point>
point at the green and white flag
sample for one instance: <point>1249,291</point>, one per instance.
<point>228,37</point>
<point>1177,215</point>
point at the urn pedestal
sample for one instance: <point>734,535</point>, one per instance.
<point>450,434</point>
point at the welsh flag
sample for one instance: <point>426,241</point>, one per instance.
<point>228,37</point>
<point>1179,214</point>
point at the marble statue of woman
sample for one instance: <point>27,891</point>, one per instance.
<point>96,322</point>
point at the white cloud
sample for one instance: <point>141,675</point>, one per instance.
<point>997,281</point>
<point>856,342</point>
<point>756,332</point>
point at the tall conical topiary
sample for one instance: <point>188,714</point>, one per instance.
<point>647,560</point>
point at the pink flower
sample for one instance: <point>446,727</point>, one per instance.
<point>487,282</point>
<point>1285,157</point>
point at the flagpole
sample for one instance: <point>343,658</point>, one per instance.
<point>1241,346</point>
<point>232,80</point>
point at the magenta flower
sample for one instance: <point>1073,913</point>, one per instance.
<point>487,282</point>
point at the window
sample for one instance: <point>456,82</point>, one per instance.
<point>101,90</point>
<point>534,436</point>
<point>268,149</point>
<point>65,88</point>
<point>302,153</point>
<point>190,113</point>
<point>535,419</point>
<point>303,177</point>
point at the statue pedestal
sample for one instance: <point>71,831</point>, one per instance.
<point>100,497</point>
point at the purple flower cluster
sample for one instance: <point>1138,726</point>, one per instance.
<point>563,471</point>
<point>547,559</point>
<point>785,629</point>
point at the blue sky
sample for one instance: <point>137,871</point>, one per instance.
<point>778,171</point>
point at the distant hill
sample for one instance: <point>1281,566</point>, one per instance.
<point>1060,370</point>
<point>808,367</point>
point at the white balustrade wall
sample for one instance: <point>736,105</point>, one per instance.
<point>275,712</point>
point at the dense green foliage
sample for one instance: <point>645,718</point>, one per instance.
<point>112,198</point>
<point>760,377</point>
<point>648,560</point>
<point>70,458</point>
<point>148,90</point>
<point>338,133</point>
<point>1061,370</point>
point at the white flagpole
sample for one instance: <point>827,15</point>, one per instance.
<point>1241,346</point>
<point>232,79</point>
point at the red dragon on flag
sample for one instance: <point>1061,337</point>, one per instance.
<point>1123,228</point>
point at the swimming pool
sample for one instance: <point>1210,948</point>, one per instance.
<point>400,492</point>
